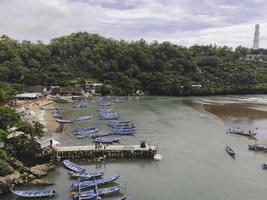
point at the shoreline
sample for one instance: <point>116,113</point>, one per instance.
<point>35,175</point>
<point>237,113</point>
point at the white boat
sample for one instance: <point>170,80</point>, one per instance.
<point>157,157</point>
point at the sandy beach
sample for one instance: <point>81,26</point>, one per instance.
<point>39,110</point>
<point>237,113</point>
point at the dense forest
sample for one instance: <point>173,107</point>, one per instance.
<point>124,67</point>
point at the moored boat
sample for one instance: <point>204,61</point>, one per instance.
<point>86,132</point>
<point>124,198</point>
<point>95,193</point>
<point>81,129</point>
<point>64,121</point>
<point>229,150</point>
<point>107,139</point>
<point>257,147</point>
<point>83,118</point>
<point>72,166</point>
<point>85,175</point>
<point>86,184</point>
<point>122,132</point>
<point>34,194</point>
<point>105,103</point>
<point>81,104</point>
<point>239,131</point>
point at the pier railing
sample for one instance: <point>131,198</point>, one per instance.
<point>105,151</point>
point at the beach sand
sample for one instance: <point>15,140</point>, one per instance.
<point>248,116</point>
<point>41,111</point>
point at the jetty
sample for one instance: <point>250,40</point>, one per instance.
<point>106,151</point>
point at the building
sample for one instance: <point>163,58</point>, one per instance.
<point>67,91</point>
<point>47,142</point>
<point>254,57</point>
<point>29,96</point>
<point>16,134</point>
<point>38,89</point>
<point>93,86</point>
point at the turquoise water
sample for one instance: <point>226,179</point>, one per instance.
<point>195,165</point>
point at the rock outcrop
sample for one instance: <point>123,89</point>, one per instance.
<point>42,170</point>
<point>40,182</point>
<point>6,169</point>
<point>14,173</point>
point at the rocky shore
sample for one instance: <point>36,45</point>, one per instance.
<point>14,173</point>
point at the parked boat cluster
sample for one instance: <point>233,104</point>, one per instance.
<point>88,183</point>
<point>252,147</point>
<point>117,127</point>
<point>56,114</point>
<point>87,186</point>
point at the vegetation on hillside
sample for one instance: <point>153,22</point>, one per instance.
<point>20,147</point>
<point>124,67</point>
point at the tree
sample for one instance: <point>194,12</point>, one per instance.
<point>25,127</point>
<point>38,129</point>
<point>3,135</point>
<point>7,93</point>
<point>8,117</point>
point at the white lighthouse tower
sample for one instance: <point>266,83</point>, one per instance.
<point>256,40</point>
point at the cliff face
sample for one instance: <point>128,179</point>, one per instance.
<point>15,173</point>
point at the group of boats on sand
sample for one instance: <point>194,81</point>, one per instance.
<point>56,114</point>
<point>118,127</point>
<point>86,180</point>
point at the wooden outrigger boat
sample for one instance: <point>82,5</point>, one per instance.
<point>72,166</point>
<point>86,184</point>
<point>229,150</point>
<point>92,194</point>
<point>107,139</point>
<point>83,118</point>
<point>86,175</point>
<point>34,194</point>
<point>64,121</point>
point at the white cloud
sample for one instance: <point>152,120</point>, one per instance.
<point>185,22</point>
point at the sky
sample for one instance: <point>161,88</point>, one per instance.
<point>183,22</point>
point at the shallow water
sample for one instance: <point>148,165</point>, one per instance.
<point>195,165</point>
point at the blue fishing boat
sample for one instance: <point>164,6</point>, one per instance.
<point>86,132</point>
<point>55,113</point>
<point>123,128</point>
<point>120,131</point>
<point>34,194</point>
<point>105,103</point>
<point>81,136</point>
<point>81,104</point>
<point>72,166</point>
<point>107,139</point>
<point>119,122</point>
<point>92,194</point>
<point>82,129</point>
<point>86,184</point>
<point>64,121</point>
<point>85,175</point>
<point>114,117</point>
<point>257,147</point>
<point>83,118</point>
<point>130,132</point>
<point>124,198</point>
<point>229,150</point>
<point>96,135</point>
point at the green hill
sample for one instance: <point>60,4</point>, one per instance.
<point>156,68</point>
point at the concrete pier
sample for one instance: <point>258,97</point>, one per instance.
<point>106,151</point>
